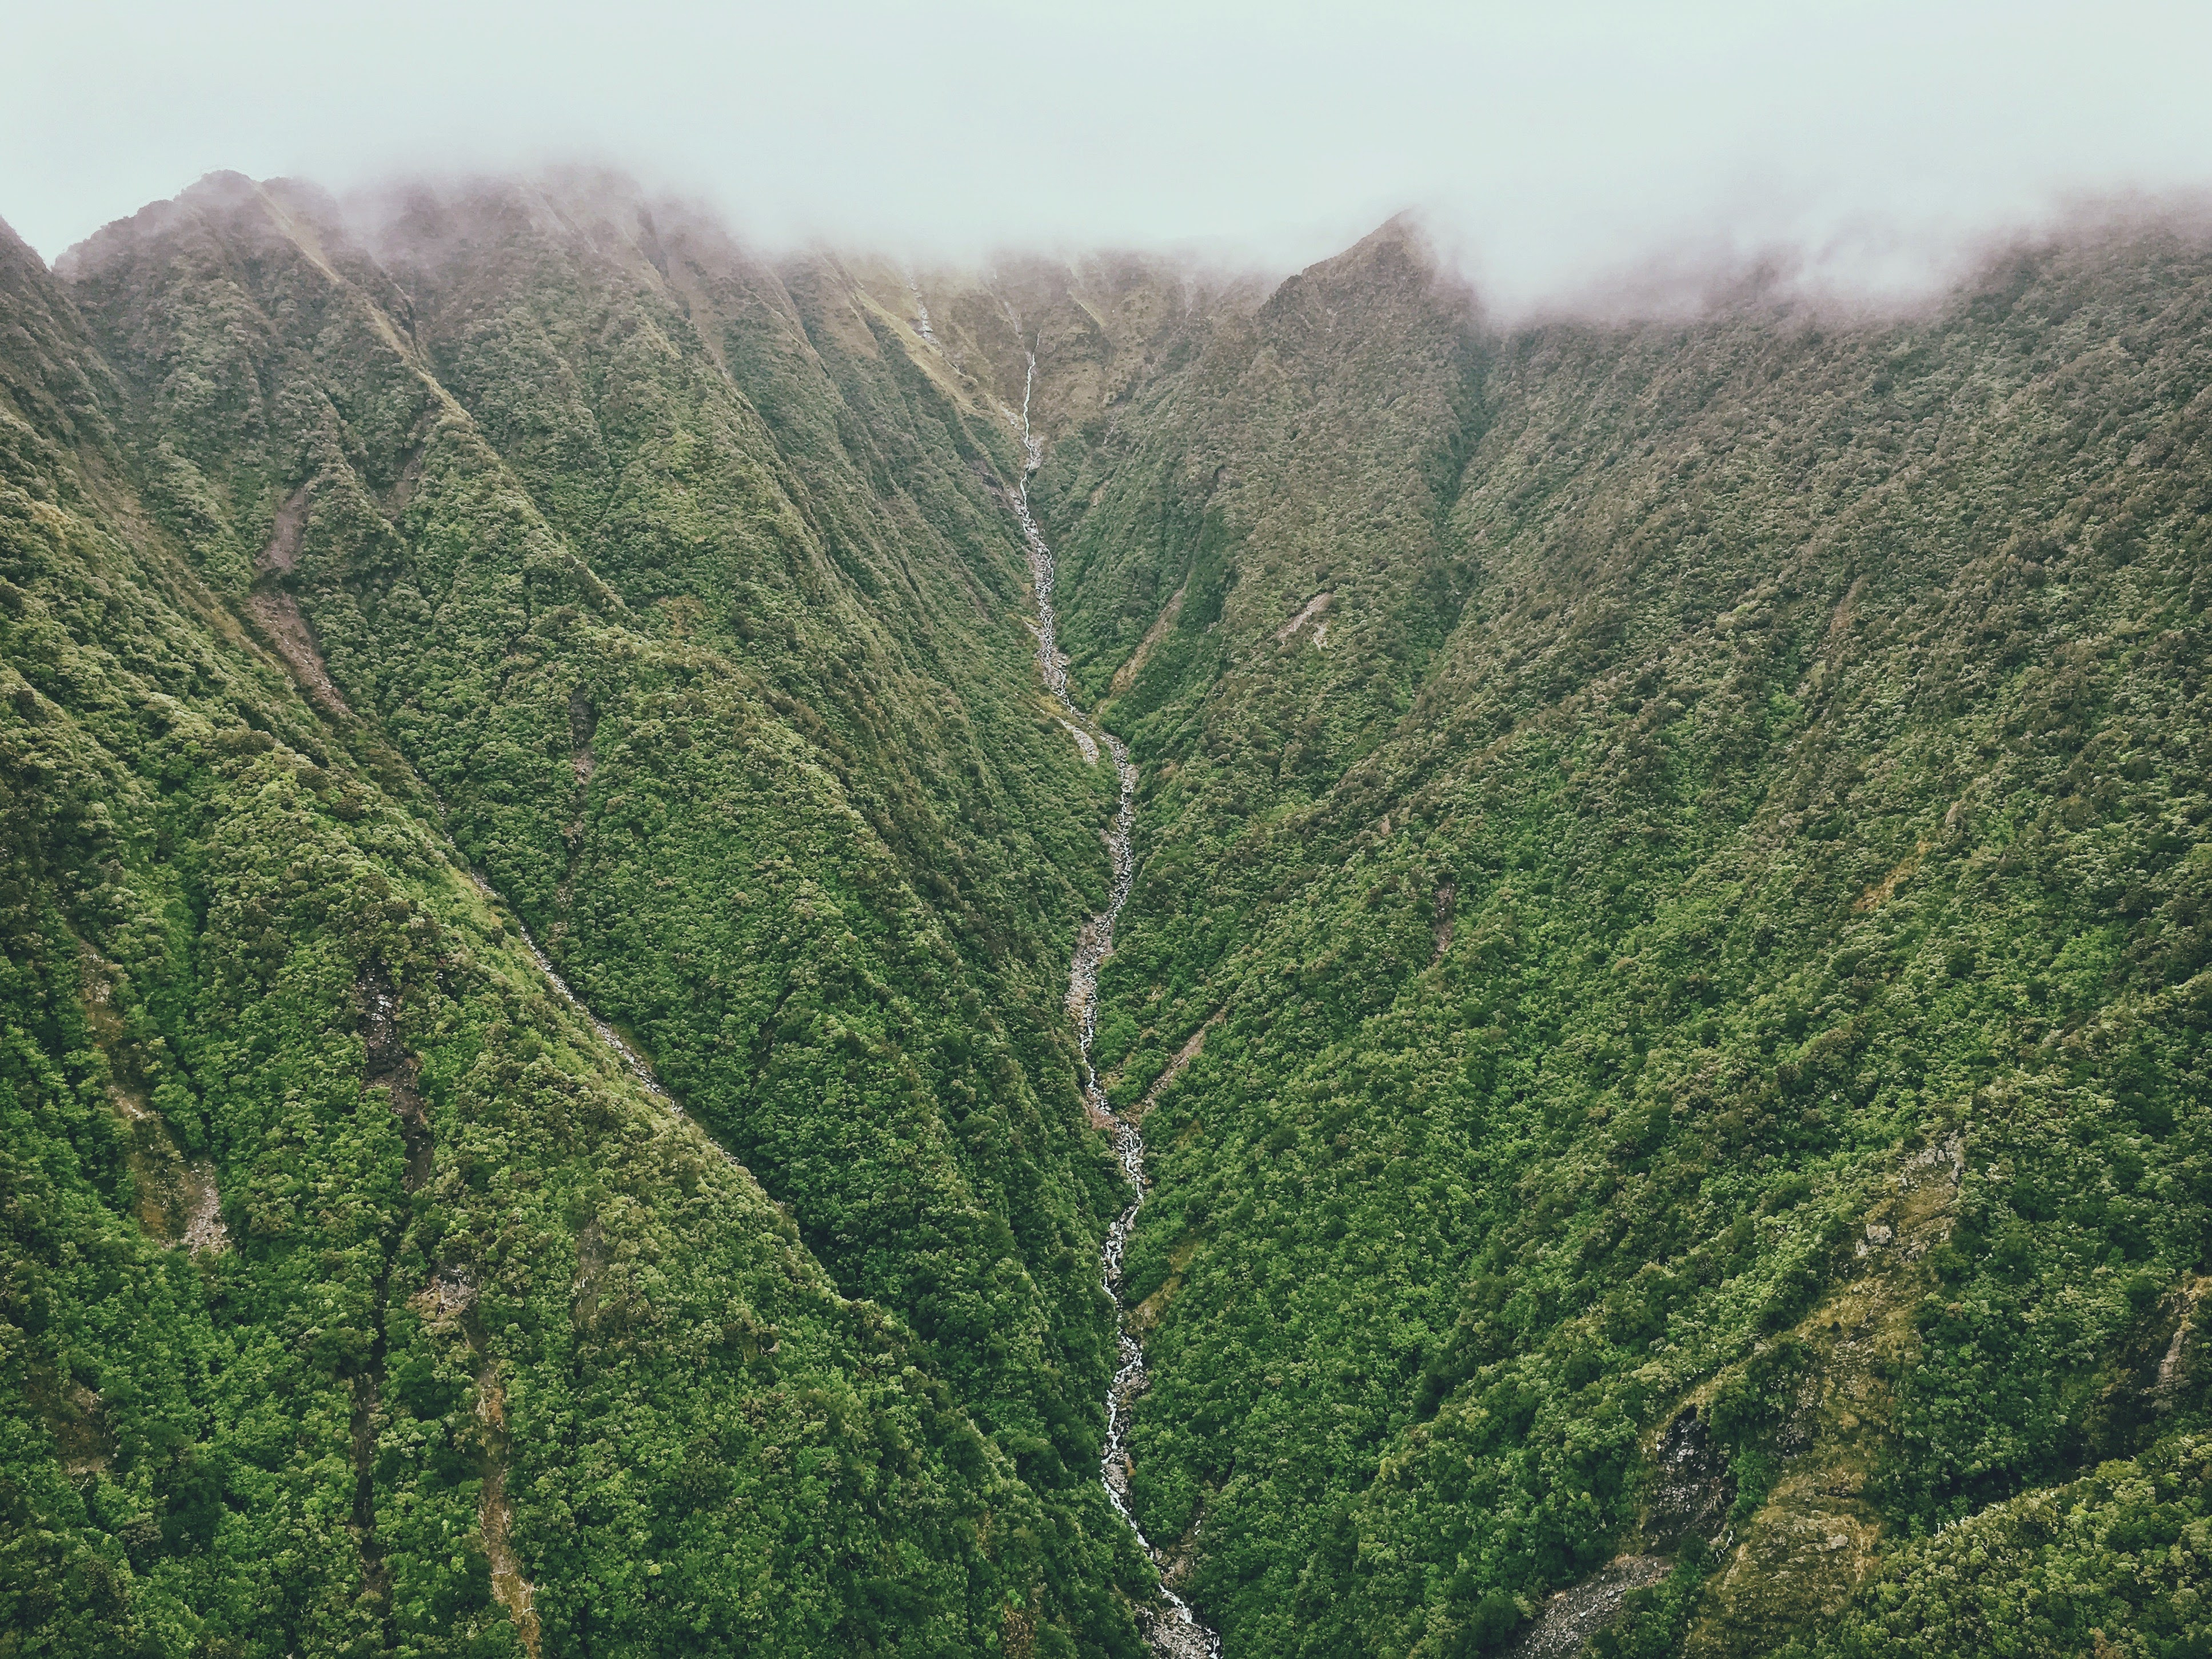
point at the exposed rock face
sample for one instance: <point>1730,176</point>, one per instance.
<point>1691,1488</point>
<point>1572,1616</point>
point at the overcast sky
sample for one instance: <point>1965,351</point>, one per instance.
<point>1549,144</point>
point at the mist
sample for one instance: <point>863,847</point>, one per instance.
<point>1599,150</point>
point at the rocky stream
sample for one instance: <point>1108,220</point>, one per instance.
<point>1173,1631</point>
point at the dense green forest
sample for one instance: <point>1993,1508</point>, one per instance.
<point>358,1299</point>
<point>1668,980</point>
<point>1683,845</point>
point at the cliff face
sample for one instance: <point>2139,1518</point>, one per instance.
<point>1663,972</point>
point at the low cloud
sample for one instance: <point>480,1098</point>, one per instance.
<point>1601,156</point>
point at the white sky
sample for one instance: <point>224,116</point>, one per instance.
<point>1549,142</point>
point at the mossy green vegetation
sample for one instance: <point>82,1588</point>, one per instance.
<point>358,1297</point>
<point>1669,970</point>
<point>1716,922</point>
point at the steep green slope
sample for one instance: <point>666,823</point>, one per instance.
<point>358,1297</point>
<point>767,775</point>
<point>1666,975</point>
<point>1716,921</point>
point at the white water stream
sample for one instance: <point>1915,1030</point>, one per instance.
<point>1177,1634</point>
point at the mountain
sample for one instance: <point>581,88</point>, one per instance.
<point>1683,846</point>
<point>1664,985</point>
<point>366,618</point>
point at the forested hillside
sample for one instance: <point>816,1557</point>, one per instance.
<point>359,1299</point>
<point>1682,846</point>
<point>1667,982</point>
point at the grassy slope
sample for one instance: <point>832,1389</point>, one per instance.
<point>1749,765</point>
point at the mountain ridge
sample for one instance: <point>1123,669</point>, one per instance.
<point>1665,969</point>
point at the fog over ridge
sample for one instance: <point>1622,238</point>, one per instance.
<point>1600,157</point>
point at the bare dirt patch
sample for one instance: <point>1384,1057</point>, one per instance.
<point>283,551</point>
<point>1315,608</point>
<point>278,614</point>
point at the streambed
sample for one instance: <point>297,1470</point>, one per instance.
<point>1175,1633</point>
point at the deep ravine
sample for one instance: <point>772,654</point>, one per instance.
<point>1175,1633</point>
